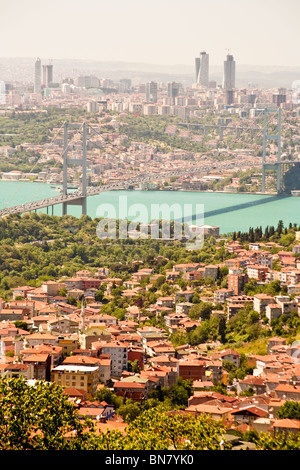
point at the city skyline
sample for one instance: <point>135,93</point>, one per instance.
<point>256,33</point>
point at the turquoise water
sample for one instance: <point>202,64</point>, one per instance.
<point>230,212</point>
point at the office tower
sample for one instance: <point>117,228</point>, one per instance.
<point>229,97</point>
<point>202,69</point>
<point>47,75</point>
<point>229,73</point>
<point>279,97</point>
<point>37,75</point>
<point>87,81</point>
<point>173,90</point>
<point>151,92</point>
<point>252,98</point>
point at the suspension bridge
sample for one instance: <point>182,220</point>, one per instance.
<point>80,196</point>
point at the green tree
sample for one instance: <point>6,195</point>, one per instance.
<point>290,410</point>
<point>37,417</point>
<point>201,310</point>
<point>129,411</point>
<point>158,429</point>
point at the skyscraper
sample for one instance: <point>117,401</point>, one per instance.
<point>229,73</point>
<point>37,75</point>
<point>47,75</point>
<point>151,92</point>
<point>173,90</point>
<point>202,69</point>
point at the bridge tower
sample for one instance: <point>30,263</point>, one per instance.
<point>277,137</point>
<point>81,200</point>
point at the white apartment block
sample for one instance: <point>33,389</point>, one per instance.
<point>119,356</point>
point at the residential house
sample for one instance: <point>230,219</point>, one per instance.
<point>102,362</point>
<point>156,376</point>
<point>165,302</point>
<point>248,414</point>
<point>186,267</point>
<point>40,338</point>
<point>236,281</point>
<point>12,315</point>
<point>157,348</point>
<point>92,333</point>
<point>55,352</point>
<point>255,271</point>
<point>18,370</point>
<point>51,288</point>
<point>172,275</point>
<point>285,426</point>
<point>287,305</point>
<point>183,308</point>
<point>134,387</point>
<point>118,353</point>
<point>229,355</point>
<point>233,309</point>
<point>24,305</point>
<point>41,365</point>
<point>258,384</point>
<point>135,352</point>
<point>82,377</point>
<point>192,368</point>
<point>95,410</point>
<point>273,311</point>
<point>288,392</point>
<point>220,295</point>
<point>214,371</point>
<point>260,301</point>
<point>172,320</point>
<point>62,325</point>
<point>21,291</point>
<point>275,341</point>
<point>217,412</point>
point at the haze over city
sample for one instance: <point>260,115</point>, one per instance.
<point>166,33</point>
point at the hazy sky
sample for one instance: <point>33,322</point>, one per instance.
<point>257,32</point>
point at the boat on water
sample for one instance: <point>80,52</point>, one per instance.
<point>295,192</point>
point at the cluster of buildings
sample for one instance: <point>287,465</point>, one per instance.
<point>110,155</point>
<point>83,349</point>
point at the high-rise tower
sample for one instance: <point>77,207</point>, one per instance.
<point>229,73</point>
<point>37,75</point>
<point>151,92</point>
<point>47,75</point>
<point>202,69</point>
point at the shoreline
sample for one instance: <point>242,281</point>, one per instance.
<point>260,193</point>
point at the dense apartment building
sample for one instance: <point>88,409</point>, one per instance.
<point>76,376</point>
<point>236,281</point>
<point>118,352</point>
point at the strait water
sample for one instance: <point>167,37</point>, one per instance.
<point>230,212</point>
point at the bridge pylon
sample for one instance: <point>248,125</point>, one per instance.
<point>277,137</point>
<point>82,198</point>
